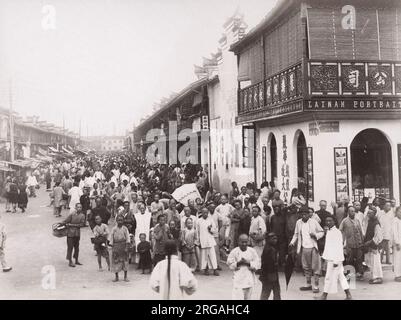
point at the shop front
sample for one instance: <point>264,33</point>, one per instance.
<point>330,160</point>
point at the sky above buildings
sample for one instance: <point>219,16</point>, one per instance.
<point>104,63</point>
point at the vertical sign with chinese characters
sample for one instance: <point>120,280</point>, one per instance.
<point>341,172</point>
<point>263,163</point>
<point>310,173</point>
<point>285,173</point>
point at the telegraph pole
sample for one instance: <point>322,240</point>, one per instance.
<point>11,120</point>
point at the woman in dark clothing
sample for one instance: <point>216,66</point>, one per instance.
<point>13,194</point>
<point>22,196</point>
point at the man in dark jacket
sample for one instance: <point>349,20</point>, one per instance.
<point>278,227</point>
<point>100,211</point>
<point>269,269</point>
<point>74,222</point>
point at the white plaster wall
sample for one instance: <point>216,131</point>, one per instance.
<point>223,110</point>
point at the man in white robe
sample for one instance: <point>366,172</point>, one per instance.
<point>244,261</point>
<point>257,231</point>
<point>179,283</point>
<point>143,224</point>
<point>397,245</point>
<point>206,229</point>
<point>224,210</point>
<point>334,255</point>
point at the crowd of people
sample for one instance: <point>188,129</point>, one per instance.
<point>128,205</point>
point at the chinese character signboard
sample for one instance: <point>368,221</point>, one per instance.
<point>264,163</point>
<point>309,173</point>
<point>317,127</point>
<point>379,79</point>
<point>285,173</point>
<point>354,78</point>
<point>341,173</point>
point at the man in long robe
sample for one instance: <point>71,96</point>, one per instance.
<point>206,229</point>
<point>334,255</point>
<point>171,278</point>
<point>257,231</point>
<point>144,223</point>
<point>373,238</point>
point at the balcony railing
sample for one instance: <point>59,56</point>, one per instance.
<point>280,88</point>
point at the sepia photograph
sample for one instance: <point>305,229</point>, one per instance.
<point>200,150</point>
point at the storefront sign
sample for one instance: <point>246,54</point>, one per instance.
<point>341,173</point>
<point>288,108</point>
<point>352,104</point>
<point>323,126</point>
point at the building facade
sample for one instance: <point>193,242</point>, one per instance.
<point>231,156</point>
<point>31,136</point>
<point>178,132</point>
<point>320,83</point>
<point>112,143</point>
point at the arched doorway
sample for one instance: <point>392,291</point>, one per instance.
<point>371,165</point>
<point>273,159</point>
<point>302,162</point>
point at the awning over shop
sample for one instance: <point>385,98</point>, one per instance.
<point>42,152</point>
<point>44,158</point>
<point>4,166</point>
<point>80,151</point>
<point>66,150</point>
<point>53,149</point>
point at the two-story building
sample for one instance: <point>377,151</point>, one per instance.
<point>177,132</point>
<point>112,143</point>
<point>232,157</point>
<point>320,83</point>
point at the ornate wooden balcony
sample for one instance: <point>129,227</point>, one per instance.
<point>360,89</point>
<point>266,98</point>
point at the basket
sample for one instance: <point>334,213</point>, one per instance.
<point>59,230</point>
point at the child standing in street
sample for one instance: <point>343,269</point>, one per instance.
<point>101,233</point>
<point>188,242</point>
<point>3,237</point>
<point>145,259</point>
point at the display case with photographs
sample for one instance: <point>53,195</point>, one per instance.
<point>341,172</point>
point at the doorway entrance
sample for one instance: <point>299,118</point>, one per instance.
<point>302,162</point>
<point>371,165</point>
